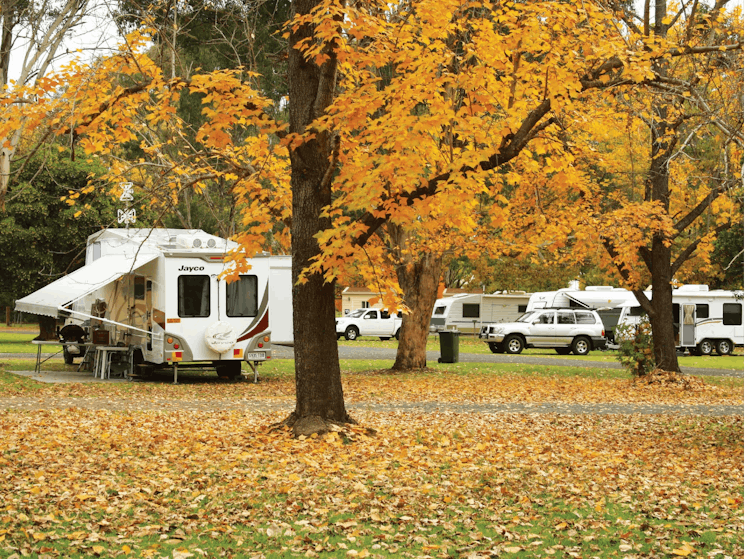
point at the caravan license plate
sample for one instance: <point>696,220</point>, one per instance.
<point>258,355</point>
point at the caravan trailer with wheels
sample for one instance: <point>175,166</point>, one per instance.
<point>705,321</point>
<point>469,312</point>
<point>159,292</point>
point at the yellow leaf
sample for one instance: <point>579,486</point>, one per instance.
<point>683,551</point>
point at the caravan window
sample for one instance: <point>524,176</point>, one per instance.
<point>471,310</point>
<point>732,314</point>
<point>440,310</point>
<point>193,296</point>
<point>242,296</point>
<point>139,288</point>
<point>702,311</point>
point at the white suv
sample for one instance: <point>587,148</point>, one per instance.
<point>566,330</point>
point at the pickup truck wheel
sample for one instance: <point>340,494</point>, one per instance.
<point>496,347</point>
<point>563,350</point>
<point>581,346</point>
<point>724,347</point>
<point>398,334</point>
<point>351,333</point>
<point>384,338</point>
<point>705,347</point>
<point>513,344</point>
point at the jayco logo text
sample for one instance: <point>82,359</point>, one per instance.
<point>191,269</point>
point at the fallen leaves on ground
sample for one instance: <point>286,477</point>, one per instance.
<point>193,484</point>
<point>383,387</point>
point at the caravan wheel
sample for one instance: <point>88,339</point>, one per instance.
<point>705,347</point>
<point>724,347</point>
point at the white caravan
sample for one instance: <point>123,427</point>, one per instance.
<point>468,312</point>
<point>606,300</point>
<point>705,321</point>
<point>159,292</point>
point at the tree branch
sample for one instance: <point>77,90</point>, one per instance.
<point>690,249</point>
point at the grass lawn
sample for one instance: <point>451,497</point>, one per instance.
<point>215,482</point>
<point>14,342</point>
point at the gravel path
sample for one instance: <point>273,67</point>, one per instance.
<point>286,405</point>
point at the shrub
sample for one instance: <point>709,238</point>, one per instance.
<point>636,351</point>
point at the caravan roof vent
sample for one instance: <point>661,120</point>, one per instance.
<point>693,287</point>
<point>211,243</point>
<point>187,241</point>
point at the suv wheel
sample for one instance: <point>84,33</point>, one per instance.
<point>351,333</point>
<point>513,344</point>
<point>563,350</point>
<point>581,346</point>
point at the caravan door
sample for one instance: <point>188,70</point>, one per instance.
<point>688,325</point>
<point>141,308</point>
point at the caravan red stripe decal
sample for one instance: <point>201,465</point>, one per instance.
<point>260,327</point>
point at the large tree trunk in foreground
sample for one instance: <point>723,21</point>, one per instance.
<point>663,330</point>
<point>319,397</point>
<point>419,281</point>
<point>658,257</point>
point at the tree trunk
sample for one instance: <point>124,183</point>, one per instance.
<point>319,396</point>
<point>663,331</point>
<point>419,281</point>
<point>47,329</point>
<point>659,257</point>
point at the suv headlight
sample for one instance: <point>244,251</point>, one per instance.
<point>498,330</point>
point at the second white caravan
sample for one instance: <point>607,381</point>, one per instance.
<point>705,321</point>
<point>469,312</point>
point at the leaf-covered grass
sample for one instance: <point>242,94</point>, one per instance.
<point>80,483</point>
<point>373,382</point>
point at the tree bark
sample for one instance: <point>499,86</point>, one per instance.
<point>419,280</point>
<point>319,395</point>
<point>47,329</point>
<point>659,256</point>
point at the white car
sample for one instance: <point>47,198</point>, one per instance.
<point>368,322</point>
<point>565,330</point>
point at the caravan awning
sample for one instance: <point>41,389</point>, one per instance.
<point>578,301</point>
<point>54,297</point>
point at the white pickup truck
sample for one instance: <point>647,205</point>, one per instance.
<point>368,322</point>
